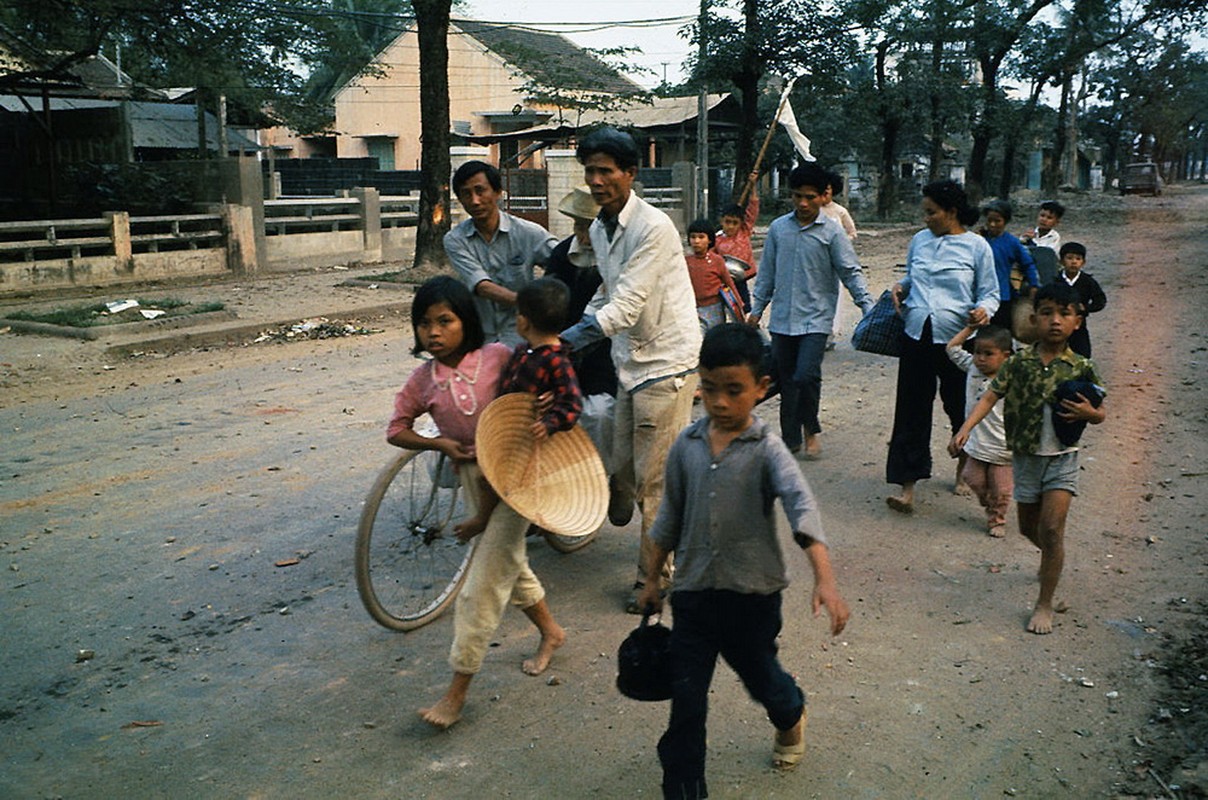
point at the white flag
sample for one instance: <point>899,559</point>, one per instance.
<point>789,120</point>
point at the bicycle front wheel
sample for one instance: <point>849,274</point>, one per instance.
<point>409,564</point>
<point>568,544</point>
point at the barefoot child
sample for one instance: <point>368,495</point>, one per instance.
<point>1045,468</point>
<point>987,459</point>
<point>723,473</point>
<point>454,387</point>
<point>708,273</point>
<point>540,366</point>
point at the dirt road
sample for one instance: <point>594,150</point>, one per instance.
<point>143,507</point>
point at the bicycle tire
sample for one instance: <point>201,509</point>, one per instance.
<point>568,544</point>
<point>409,565</point>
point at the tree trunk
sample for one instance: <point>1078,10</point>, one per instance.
<point>432,23</point>
<point>891,123</point>
<point>935,98</point>
<point>747,83</point>
<point>1006,181</point>
<point>1052,171</point>
<point>983,132</point>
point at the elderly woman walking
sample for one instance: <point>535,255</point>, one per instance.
<point>950,281</point>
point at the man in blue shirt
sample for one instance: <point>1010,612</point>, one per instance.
<point>805,258</point>
<point>493,252</point>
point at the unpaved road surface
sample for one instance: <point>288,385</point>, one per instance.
<point>143,509</point>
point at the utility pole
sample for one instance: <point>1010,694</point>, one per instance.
<point>702,123</point>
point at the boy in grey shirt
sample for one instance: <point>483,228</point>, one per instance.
<point>724,473</point>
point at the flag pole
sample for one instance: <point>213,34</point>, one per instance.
<point>784,98</point>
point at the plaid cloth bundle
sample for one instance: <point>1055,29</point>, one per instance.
<point>880,331</point>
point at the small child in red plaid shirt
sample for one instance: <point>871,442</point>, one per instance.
<point>540,366</point>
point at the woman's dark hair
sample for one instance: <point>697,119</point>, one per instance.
<point>444,289</point>
<point>733,344</point>
<point>706,227</point>
<point>949,196</point>
<point>1000,207</point>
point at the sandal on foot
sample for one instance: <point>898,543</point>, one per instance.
<point>899,505</point>
<point>787,756</point>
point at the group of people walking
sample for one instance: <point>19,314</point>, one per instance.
<point>626,313</point>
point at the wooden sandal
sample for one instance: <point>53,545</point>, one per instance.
<point>787,756</point>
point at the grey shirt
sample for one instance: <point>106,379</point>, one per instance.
<point>717,513</point>
<point>507,260</point>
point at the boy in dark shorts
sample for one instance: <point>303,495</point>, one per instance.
<point>723,474</point>
<point>1045,467</point>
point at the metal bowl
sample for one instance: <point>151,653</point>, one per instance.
<point>737,267</point>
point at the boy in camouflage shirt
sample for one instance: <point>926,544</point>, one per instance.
<point>1045,468</point>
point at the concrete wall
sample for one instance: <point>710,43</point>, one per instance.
<point>304,250</point>
<point>109,270</point>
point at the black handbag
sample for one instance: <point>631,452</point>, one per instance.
<point>880,331</point>
<point>644,662</point>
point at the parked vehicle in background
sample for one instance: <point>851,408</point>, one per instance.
<point>1141,178</point>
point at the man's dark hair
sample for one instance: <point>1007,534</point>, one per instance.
<point>1060,293</point>
<point>706,227</point>
<point>733,344</point>
<point>1077,248</point>
<point>545,302</point>
<point>1052,205</point>
<point>610,142</point>
<point>809,174</point>
<point>470,169</point>
<point>996,336</point>
<point>1000,207</point>
<point>733,210</point>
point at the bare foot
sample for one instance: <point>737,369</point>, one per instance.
<point>962,489</point>
<point>1042,620</point>
<point>998,531</point>
<point>549,643</point>
<point>900,504</point>
<point>443,714</point>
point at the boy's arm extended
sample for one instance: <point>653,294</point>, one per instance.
<point>826,591</point>
<point>983,407</point>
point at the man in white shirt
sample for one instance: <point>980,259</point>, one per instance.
<point>647,306</point>
<point>493,252</point>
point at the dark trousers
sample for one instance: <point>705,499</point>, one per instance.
<point>799,365</point>
<point>742,628</point>
<point>921,364</point>
<point>1080,341</point>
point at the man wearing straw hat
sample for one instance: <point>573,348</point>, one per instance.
<point>493,252</point>
<point>646,304</point>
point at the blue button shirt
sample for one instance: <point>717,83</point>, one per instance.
<point>946,276</point>
<point>802,267</point>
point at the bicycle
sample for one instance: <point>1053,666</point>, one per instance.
<point>409,563</point>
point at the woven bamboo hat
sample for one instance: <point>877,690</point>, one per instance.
<point>559,483</point>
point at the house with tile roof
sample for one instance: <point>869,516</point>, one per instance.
<point>502,78</point>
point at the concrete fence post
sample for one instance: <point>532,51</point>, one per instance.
<point>119,233</point>
<point>240,225</point>
<point>564,173</point>
<point>369,206</point>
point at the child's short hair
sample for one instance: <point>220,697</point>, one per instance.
<point>835,182</point>
<point>733,344</point>
<point>733,210</point>
<point>1060,293</point>
<point>545,302</point>
<point>448,290</point>
<point>706,227</point>
<point>995,336</point>
<point>1053,206</point>
<point>1077,248</point>
<point>1000,207</point>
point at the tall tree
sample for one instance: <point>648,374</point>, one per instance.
<point>432,23</point>
<point>782,37</point>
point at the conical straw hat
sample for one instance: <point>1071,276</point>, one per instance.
<point>559,483</point>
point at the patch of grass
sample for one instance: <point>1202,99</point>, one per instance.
<point>95,314</point>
